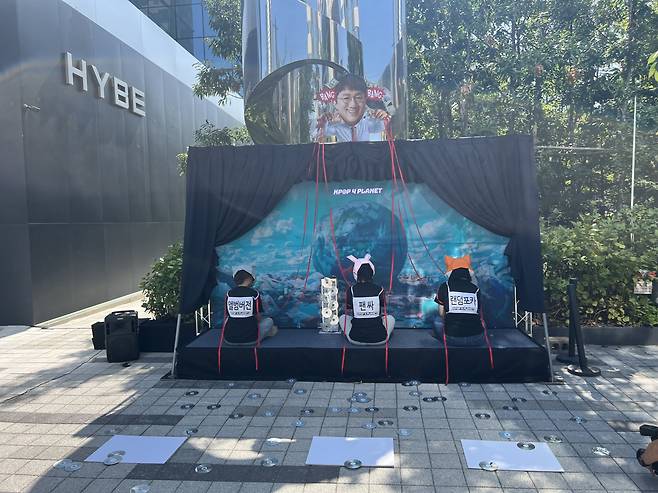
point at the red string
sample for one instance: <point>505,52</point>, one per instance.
<point>257,335</point>
<point>411,209</point>
<point>221,340</point>
<point>342,359</point>
<point>331,217</point>
<point>404,234</point>
<point>387,334</point>
<point>445,346</point>
<point>486,338</point>
<point>315,217</point>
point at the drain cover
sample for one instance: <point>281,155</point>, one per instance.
<point>415,393</point>
<point>307,411</point>
<point>483,416</point>
<point>191,431</point>
<point>75,466</point>
<point>269,462</point>
<point>140,488</point>
<point>213,406</point>
<point>549,392</point>
<point>363,400</point>
<point>506,435</point>
<point>519,399</point>
<point>236,415</point>
<point>385,422</point>
<point>299,391</point>
<point>336,409</point>
<point>578,419</point>
<point>269,413</point>
<point>553,439</point>
<point>359,394</point>
<point>410,408</point>
<point>61,464</point>
<point>526,445</point>
<point>411,383</point>
<point>112,460</point>
<point>203,468</point>
<point>601,451</point>
<point>192,392</point>
<point>369,426</point>
<point>353,410</point>
<point>353,464</point>
<point>510,408</point>
<point>187,406</point>
<point>372,409</point>
<point>299,423</point>
<point>488,465</point>
<point>254,396</point>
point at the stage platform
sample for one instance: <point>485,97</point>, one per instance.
<point>413,354</point>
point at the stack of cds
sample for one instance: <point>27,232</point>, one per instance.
<point>329,304</point>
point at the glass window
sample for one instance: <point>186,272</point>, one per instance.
<point>160,3</point>
<point>188,2</point>
<point>139,3</point>
<point>194,46</point>
<point>163,17</point>
<point>213,59</point>
<point>189,21</point>
<point>207,30</point>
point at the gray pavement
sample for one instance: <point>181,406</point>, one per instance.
<point>80,400</point>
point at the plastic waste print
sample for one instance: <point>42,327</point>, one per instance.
<point>350,109</point>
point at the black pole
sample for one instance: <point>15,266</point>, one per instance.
<point>570,358</point>
<point>583,370</point>
<point>574,318</point>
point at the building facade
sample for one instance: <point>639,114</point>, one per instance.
<point>96,102</point>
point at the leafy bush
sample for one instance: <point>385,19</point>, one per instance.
<point>599,252</point>
<point>161,286</point>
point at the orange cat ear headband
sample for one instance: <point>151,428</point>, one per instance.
<point>453,263</point>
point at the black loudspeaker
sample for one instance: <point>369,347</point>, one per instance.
<point>98,335</point>
<point>122,336</point>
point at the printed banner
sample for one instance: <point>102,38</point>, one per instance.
<point>407,247</point>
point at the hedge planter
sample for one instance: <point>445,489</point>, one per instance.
<point>607,336</point>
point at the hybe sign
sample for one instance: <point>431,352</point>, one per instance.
<point>123,95</point>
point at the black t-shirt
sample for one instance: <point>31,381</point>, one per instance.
<point>367,329</point>
<point>460,324</point>
<point>242,330</point>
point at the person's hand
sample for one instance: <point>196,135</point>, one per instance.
<point>335,117</point>
<point>380,115</point>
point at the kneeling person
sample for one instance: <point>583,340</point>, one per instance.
<point>366,301</point>
<point>459,305</point>
<point>244,324</point>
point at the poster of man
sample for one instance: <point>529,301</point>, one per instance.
<point>353,110</point>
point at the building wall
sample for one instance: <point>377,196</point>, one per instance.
<point>90,194</point>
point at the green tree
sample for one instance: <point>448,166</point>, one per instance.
<point>225,17</point>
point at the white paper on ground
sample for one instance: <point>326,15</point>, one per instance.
<point>509,457</point>
<point>139,449</point>
<point>334,451</point>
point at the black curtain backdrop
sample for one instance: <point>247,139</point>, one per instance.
<point>489,180</point>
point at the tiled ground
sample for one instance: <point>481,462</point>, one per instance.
<point>70,416</point>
